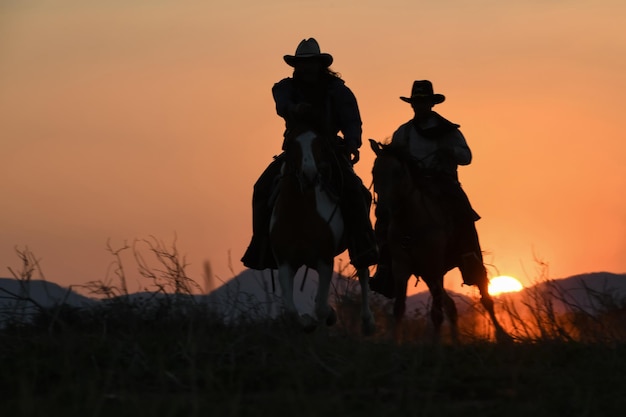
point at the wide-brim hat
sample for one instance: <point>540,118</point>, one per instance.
<point>308,49</point>
<point>423,91</point>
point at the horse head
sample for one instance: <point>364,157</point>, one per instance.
<point>391,176</point>
<point>308,158</point>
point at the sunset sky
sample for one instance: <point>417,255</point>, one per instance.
<point>121,120</point>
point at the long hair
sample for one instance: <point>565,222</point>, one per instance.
<point>332,73</point>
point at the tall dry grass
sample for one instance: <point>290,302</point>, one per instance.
<point>170,356</point>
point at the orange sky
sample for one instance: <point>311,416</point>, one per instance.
<point>127,119</point>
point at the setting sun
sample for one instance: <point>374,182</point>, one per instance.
<point>502,284</point>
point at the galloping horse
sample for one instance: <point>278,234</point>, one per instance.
<point>307,228</point>
<point>419,239</point>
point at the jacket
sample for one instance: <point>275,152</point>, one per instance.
<point>334,107</point>
<point>436,146</point>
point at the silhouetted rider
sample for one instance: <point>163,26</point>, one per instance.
<point>316,98</point>
<point>435,147</point>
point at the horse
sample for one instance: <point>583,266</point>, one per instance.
<point>307,228</point>
<point>419,239</point>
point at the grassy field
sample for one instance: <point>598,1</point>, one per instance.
<point>179,358</point>
<point>114,363</point>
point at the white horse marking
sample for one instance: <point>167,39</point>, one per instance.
<point>306,230</point>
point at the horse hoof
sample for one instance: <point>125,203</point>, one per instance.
<point>309,328</point>
<point>332,318</point>
<point>368,328</point>
<point>309,324</point>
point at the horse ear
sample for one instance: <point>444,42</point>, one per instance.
<point>376,146</point>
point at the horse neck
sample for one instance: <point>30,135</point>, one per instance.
<point>314,161</point>
<point>301,158</point>
<point>308,211</point>
<point>392,189</point>
<point>400,202</point>
<point>405,201</point>
<point>292,193</point>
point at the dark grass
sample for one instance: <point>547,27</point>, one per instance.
<point>171,358</point>
<point>195,365</point>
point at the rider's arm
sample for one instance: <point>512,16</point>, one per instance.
<point>454,146</point>
<point>283,92</point>
<point>349,117</point>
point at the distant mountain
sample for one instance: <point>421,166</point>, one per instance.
<point>590,292</point>
<point>252,294</point>
<point>24,298</point>
<point>248,294</point>
<point>255,294</point>
<point>39,292</point>
<point>422,301</point>
<point>595,281</point>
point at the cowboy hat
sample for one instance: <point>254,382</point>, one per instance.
<point>308,49</point>
<point>423,90</point>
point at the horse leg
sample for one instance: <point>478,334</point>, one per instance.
<point>450,310</point>
<point>399,305</point>
<point>286,276</point>
<point>487,302</point>
<point>436,309</point>
<point>368,325</point>
<point>323,310</point>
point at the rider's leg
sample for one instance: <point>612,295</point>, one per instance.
<point>355,204</point>
<point>471,262</point>
<point>466,243</point>
<point>382,281</point>
<point>258,255</point>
